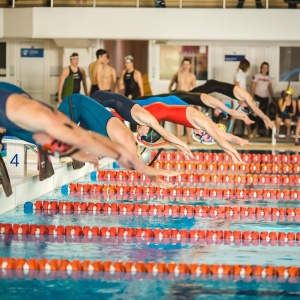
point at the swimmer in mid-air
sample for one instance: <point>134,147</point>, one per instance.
<point>199,97</point>
<point>87,113</point>
<point>151,114</point>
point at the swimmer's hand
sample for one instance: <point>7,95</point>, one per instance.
<point>236,158</point>
<point>268,123</point>
<point>150,171</point>
<point>161,183</point>
<point>233,139</point>
<point>247,120</point>
<point>88,158</point>
<point>185,150</point>
<point>128,161</point>
<point>240,142</point>
<point>243,117</point>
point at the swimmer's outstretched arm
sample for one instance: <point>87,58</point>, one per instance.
<point>87,158</point>
<point>143,117</point>
<point>45,139</point>
<point>230,138</point>
<point>121,134</point>
<point>216,103</point>
<point>233,139</point>
<point>243,95</point>
<point>200,121</point>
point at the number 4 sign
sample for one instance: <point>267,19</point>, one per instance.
<point>15,160</point>
<point>16,156</point>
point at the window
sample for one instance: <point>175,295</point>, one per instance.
<point>171,57</point>
<point>289,69</point>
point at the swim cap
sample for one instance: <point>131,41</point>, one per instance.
<point>247,110</point>
<point>57,147</point>
<point>151,137</point>
<point>290,91</point>
<point>129,58</point>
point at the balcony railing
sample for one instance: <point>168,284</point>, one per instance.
<point>143,3</point>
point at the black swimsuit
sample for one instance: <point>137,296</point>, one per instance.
<point>131,86</point>
<point>94,89</point>
<point>193,97</point>
<point>121,104</point>
<point>286,113</point>
<point>214,86</point>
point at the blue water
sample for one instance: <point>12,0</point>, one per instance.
<point>145,287</point>
<point>14,285</point>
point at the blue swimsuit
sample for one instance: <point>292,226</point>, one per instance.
<point>90,114</point>
<point>12,88</point>
<point>168,100</point>
<point>11,127</point>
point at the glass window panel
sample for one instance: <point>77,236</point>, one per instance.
<point>171,57</point>
<point>289,69</point>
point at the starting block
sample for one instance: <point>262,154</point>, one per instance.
<point>16,155</point>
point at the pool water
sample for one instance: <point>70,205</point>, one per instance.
<point>15,284</point>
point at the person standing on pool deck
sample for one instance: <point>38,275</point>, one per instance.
<point>131,80</point>
<point>185,81</point>
<point>71,78</point>
<point>103,76</point>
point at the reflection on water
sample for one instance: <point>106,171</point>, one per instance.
<point>120,286</point>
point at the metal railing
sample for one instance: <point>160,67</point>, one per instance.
<point>142,3</point>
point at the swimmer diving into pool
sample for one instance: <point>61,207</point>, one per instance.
<point>36,122</point>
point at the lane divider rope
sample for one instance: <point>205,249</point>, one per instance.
<point>286,240</point>
<point>204,178</point>
<point>224,157</point>
<point>180,192</point>
<point>164,209</point>
<point>195,168</point>
<point>69,266</point>
<point>255,168</point>
<point>159,233</point>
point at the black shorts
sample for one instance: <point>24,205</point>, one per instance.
<point>284,116</point>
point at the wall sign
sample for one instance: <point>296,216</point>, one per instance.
<point>234,57</point>
<point>32,52</point>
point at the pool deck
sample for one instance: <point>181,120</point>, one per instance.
<point>31,185</point>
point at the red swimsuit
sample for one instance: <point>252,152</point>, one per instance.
<point>162,112</point>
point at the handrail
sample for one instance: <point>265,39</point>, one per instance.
<point>150,3</point>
